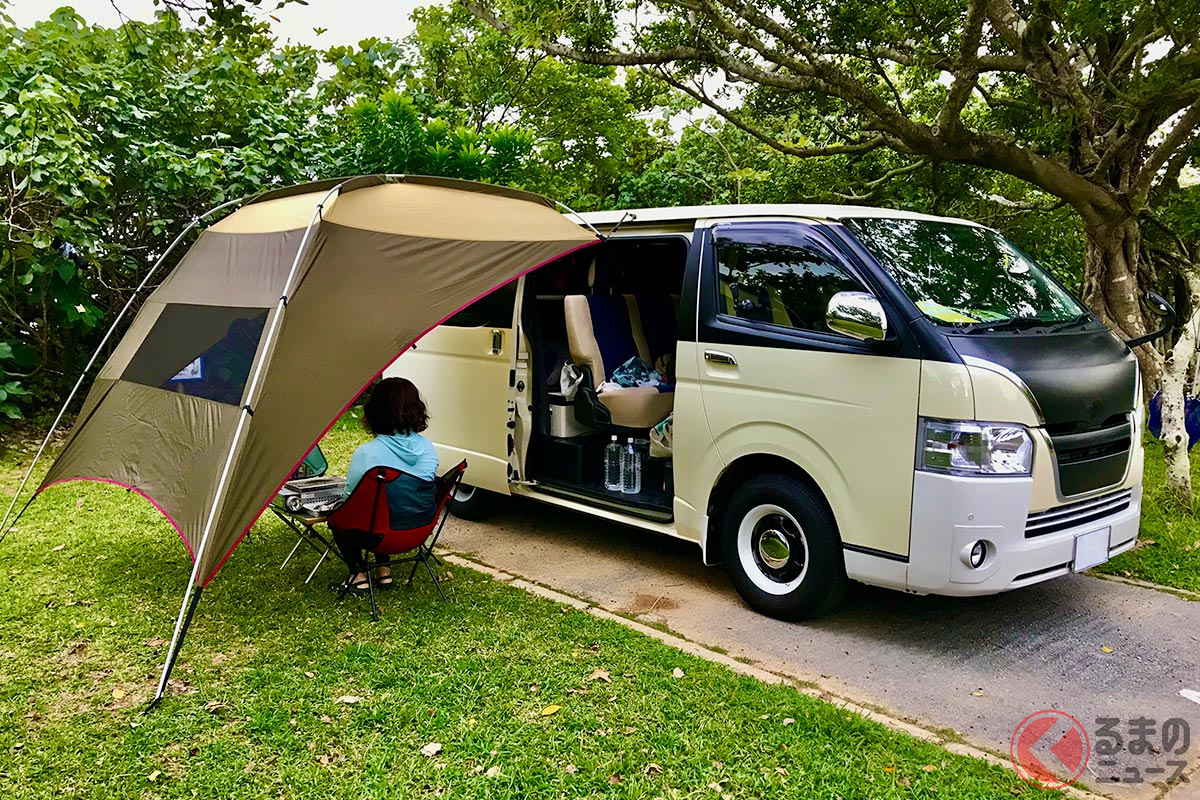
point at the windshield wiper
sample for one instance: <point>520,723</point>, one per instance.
<point>1026,323</point>
<point>1011,324</point>
<point>1073,321</point>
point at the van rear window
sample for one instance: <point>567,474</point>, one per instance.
<point>493,310</point>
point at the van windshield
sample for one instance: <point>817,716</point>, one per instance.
<point>965,276</point>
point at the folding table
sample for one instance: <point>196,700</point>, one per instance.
<point>305,525</point>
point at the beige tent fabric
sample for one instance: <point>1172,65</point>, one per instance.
<point>436,212</point>
<point>156,442</point>
<point>354,326</point>
<point>390,259</point>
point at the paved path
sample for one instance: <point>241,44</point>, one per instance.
<point>976,666</point>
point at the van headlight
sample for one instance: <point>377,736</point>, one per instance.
<point>975,448</point>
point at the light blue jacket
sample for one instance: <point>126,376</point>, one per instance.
<point>410,502</point>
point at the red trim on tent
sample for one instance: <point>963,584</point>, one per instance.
<point>127,487</point>
<point>346,407</point>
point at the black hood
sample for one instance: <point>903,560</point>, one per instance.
<point>1080,379</point>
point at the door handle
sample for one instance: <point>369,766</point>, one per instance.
<point>497,341</point>
<point>717,357</point>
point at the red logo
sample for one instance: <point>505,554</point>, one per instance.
<point>1047,746</point>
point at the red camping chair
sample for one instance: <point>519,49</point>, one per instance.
<point>366,509</point>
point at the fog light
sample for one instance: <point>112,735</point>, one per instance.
<point>978,553</point>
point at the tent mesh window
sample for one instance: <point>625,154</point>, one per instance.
<point>201,351</point>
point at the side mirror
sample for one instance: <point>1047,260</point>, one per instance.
<point>857,314</point>
<point>1164,310</point>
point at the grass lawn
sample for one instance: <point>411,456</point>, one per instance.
<point>1169,550</point>
<point>526,698</point>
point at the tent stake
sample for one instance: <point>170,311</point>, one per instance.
<point>92,361</point>
<point>173,653</point>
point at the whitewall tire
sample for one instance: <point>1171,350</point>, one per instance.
<point>781,548</point>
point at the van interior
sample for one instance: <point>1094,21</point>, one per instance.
<point>597,310</point>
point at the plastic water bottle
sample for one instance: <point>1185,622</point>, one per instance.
<point>614,460</point>
<point>631,469</point>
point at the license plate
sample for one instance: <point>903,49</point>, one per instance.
<point>1091,548</point>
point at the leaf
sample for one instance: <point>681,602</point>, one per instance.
<point>432,749</point>
<point>788,721</point>
<point>614,779</point>
<point>677,673</point>
<point>889,768</point>
<point>79,503</point>
<point>977,694</point>
<point>118,694</point>
<point>213,706</point>
<point>57,548</point>
<point>929,768</point>
<point>309,675</point>
<point>492,772</point>
<point>570,769</point>
<point>348,699</point>
<point>653,769</point>
<point>550,710</point>
<point>599,674</point>
<point>154,776</point>
<point>1105,648</point>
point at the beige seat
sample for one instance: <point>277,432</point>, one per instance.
<point>601,336</point>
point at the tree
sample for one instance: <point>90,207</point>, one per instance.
<point>390,136</point>
<point>112,140</point>
<point>1097,104</point>
<point>590,127</point>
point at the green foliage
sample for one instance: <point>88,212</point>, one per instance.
<point>391,136</point>
<point>588,125</point>
<point>112,140</point>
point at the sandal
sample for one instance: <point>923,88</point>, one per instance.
<point>359,589</point>
<point>385,581</point>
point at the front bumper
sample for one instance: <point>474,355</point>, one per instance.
<point>950,513</point>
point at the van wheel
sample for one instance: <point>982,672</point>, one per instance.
<point>472,503</point>
<point>782,549</point>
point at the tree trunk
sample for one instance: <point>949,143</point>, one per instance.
<point>1177,368</point>
<point>1111,287</point>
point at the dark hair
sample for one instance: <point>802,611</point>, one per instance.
<point>395,406</point>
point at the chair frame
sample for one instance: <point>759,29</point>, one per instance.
<point>446,484</point>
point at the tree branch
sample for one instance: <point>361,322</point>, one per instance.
<point>1173,141</point>
<point>775,144</point>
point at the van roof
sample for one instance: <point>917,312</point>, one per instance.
<point>805,210</point>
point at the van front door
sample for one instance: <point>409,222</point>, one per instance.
<point>462,369</point>
<point>776,381</point>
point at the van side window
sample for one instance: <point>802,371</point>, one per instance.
<point>778,280</point>
<point>494,310</point>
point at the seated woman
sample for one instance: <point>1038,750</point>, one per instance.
<point>396,415</point>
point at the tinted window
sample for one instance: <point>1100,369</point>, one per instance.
<point>494,310</point>
<point>202,351</point>
<point>778,277</point>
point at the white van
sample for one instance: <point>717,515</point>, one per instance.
<point>902,400</point>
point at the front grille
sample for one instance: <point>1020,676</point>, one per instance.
<point>1092,459</point>
<point>1075,514</point>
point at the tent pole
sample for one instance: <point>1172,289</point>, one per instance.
<point>176,643</point>
<point>92,361</point>
<point>580,217</point>
<point>182,620</point>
